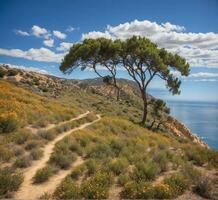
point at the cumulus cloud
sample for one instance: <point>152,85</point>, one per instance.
<point>22,33</point>
<point>96,34</point>
<point>64,46</point>
<point>42,54</point>
<point>49,42</point>
<point>59,35</point>
<point>200,49</point>
<point>39,31</point>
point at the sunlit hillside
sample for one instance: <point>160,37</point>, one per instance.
<point>63,139</point>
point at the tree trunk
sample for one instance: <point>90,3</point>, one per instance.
<point>118,93</point>
<point>152,124</point>
<point>145,106</point>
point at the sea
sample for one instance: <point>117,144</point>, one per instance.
<point>200,117</point>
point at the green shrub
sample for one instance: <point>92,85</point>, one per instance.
<point>178,183</point>
<point>118,166</point>
<point>8,122</point>
<point>48,135</point>
<point>17,150</point>
<point>32,144</point>
<point>97,187</point>
<point>75,147</point>
<point>92,166</point>
<point>43,174</point>
<point>23,162</point>
<point>145,172</point>
<point>36,154</point>
<point>67,190</point>
<point>203,187</point>
<point>21,136</point>
<point>123,179</point>
<point>191,173</point>
<point>5,154</point>
<point>162,160</point>
<point>78,171</point>
<point>9,181</point>
<point>61,160</point>
<point>100,151</point>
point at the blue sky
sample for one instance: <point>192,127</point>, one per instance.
<point>37,34</point>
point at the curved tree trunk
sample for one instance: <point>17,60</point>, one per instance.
<point>118,93</point>
<point>145,107</point>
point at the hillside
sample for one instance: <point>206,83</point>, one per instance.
<point>67,139</point>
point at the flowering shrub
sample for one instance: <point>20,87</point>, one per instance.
<point>178,183</point>
<point>97,187</point>
<point>142,190</point>
<point>67,190</point>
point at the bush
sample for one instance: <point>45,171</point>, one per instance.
<point>145,172</point>
<point>23,162</point>
<point>191,173</point>
<point>92,166</point>
<point>67,190</point>
<point>46,196</point>
<point>9,181</point>
<point>203,187</point>
<point>21,136</point>
<point>5,154</point>
<point>32,144</point>
<point>118,166</point>
<point>162,160</point>
<point>178,183</point>
<point>48,135</point>
<point>162,191</point>
<point>36,154</point>
<point>78,171</point>
<point>97,187</point>
<point>43,174</point>
<point>134,190</point>
<point>61,160</point>
<point>100,151</point>
<point>8,122</point>
<point>75,147</point>
<point>123,179</point>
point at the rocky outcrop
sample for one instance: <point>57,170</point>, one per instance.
<point>180,130</point>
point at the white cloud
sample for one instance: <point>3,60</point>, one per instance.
<point>71,29</point>
<point>38,31</point>
<point>34,69</point>
<point>42,54</point>
<point>200,49</point>
<point>49,42</point>
<point>96,34</point>
<point>22,33</point>
<point>64,46</point>
<point>59,35</point>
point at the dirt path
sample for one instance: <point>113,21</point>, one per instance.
<point>32,191</point>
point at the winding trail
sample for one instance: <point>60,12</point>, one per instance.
<point>28,190</point>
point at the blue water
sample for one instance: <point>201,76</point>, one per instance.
<point>200,117</point>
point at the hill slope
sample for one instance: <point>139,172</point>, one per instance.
<point>118,158</point>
